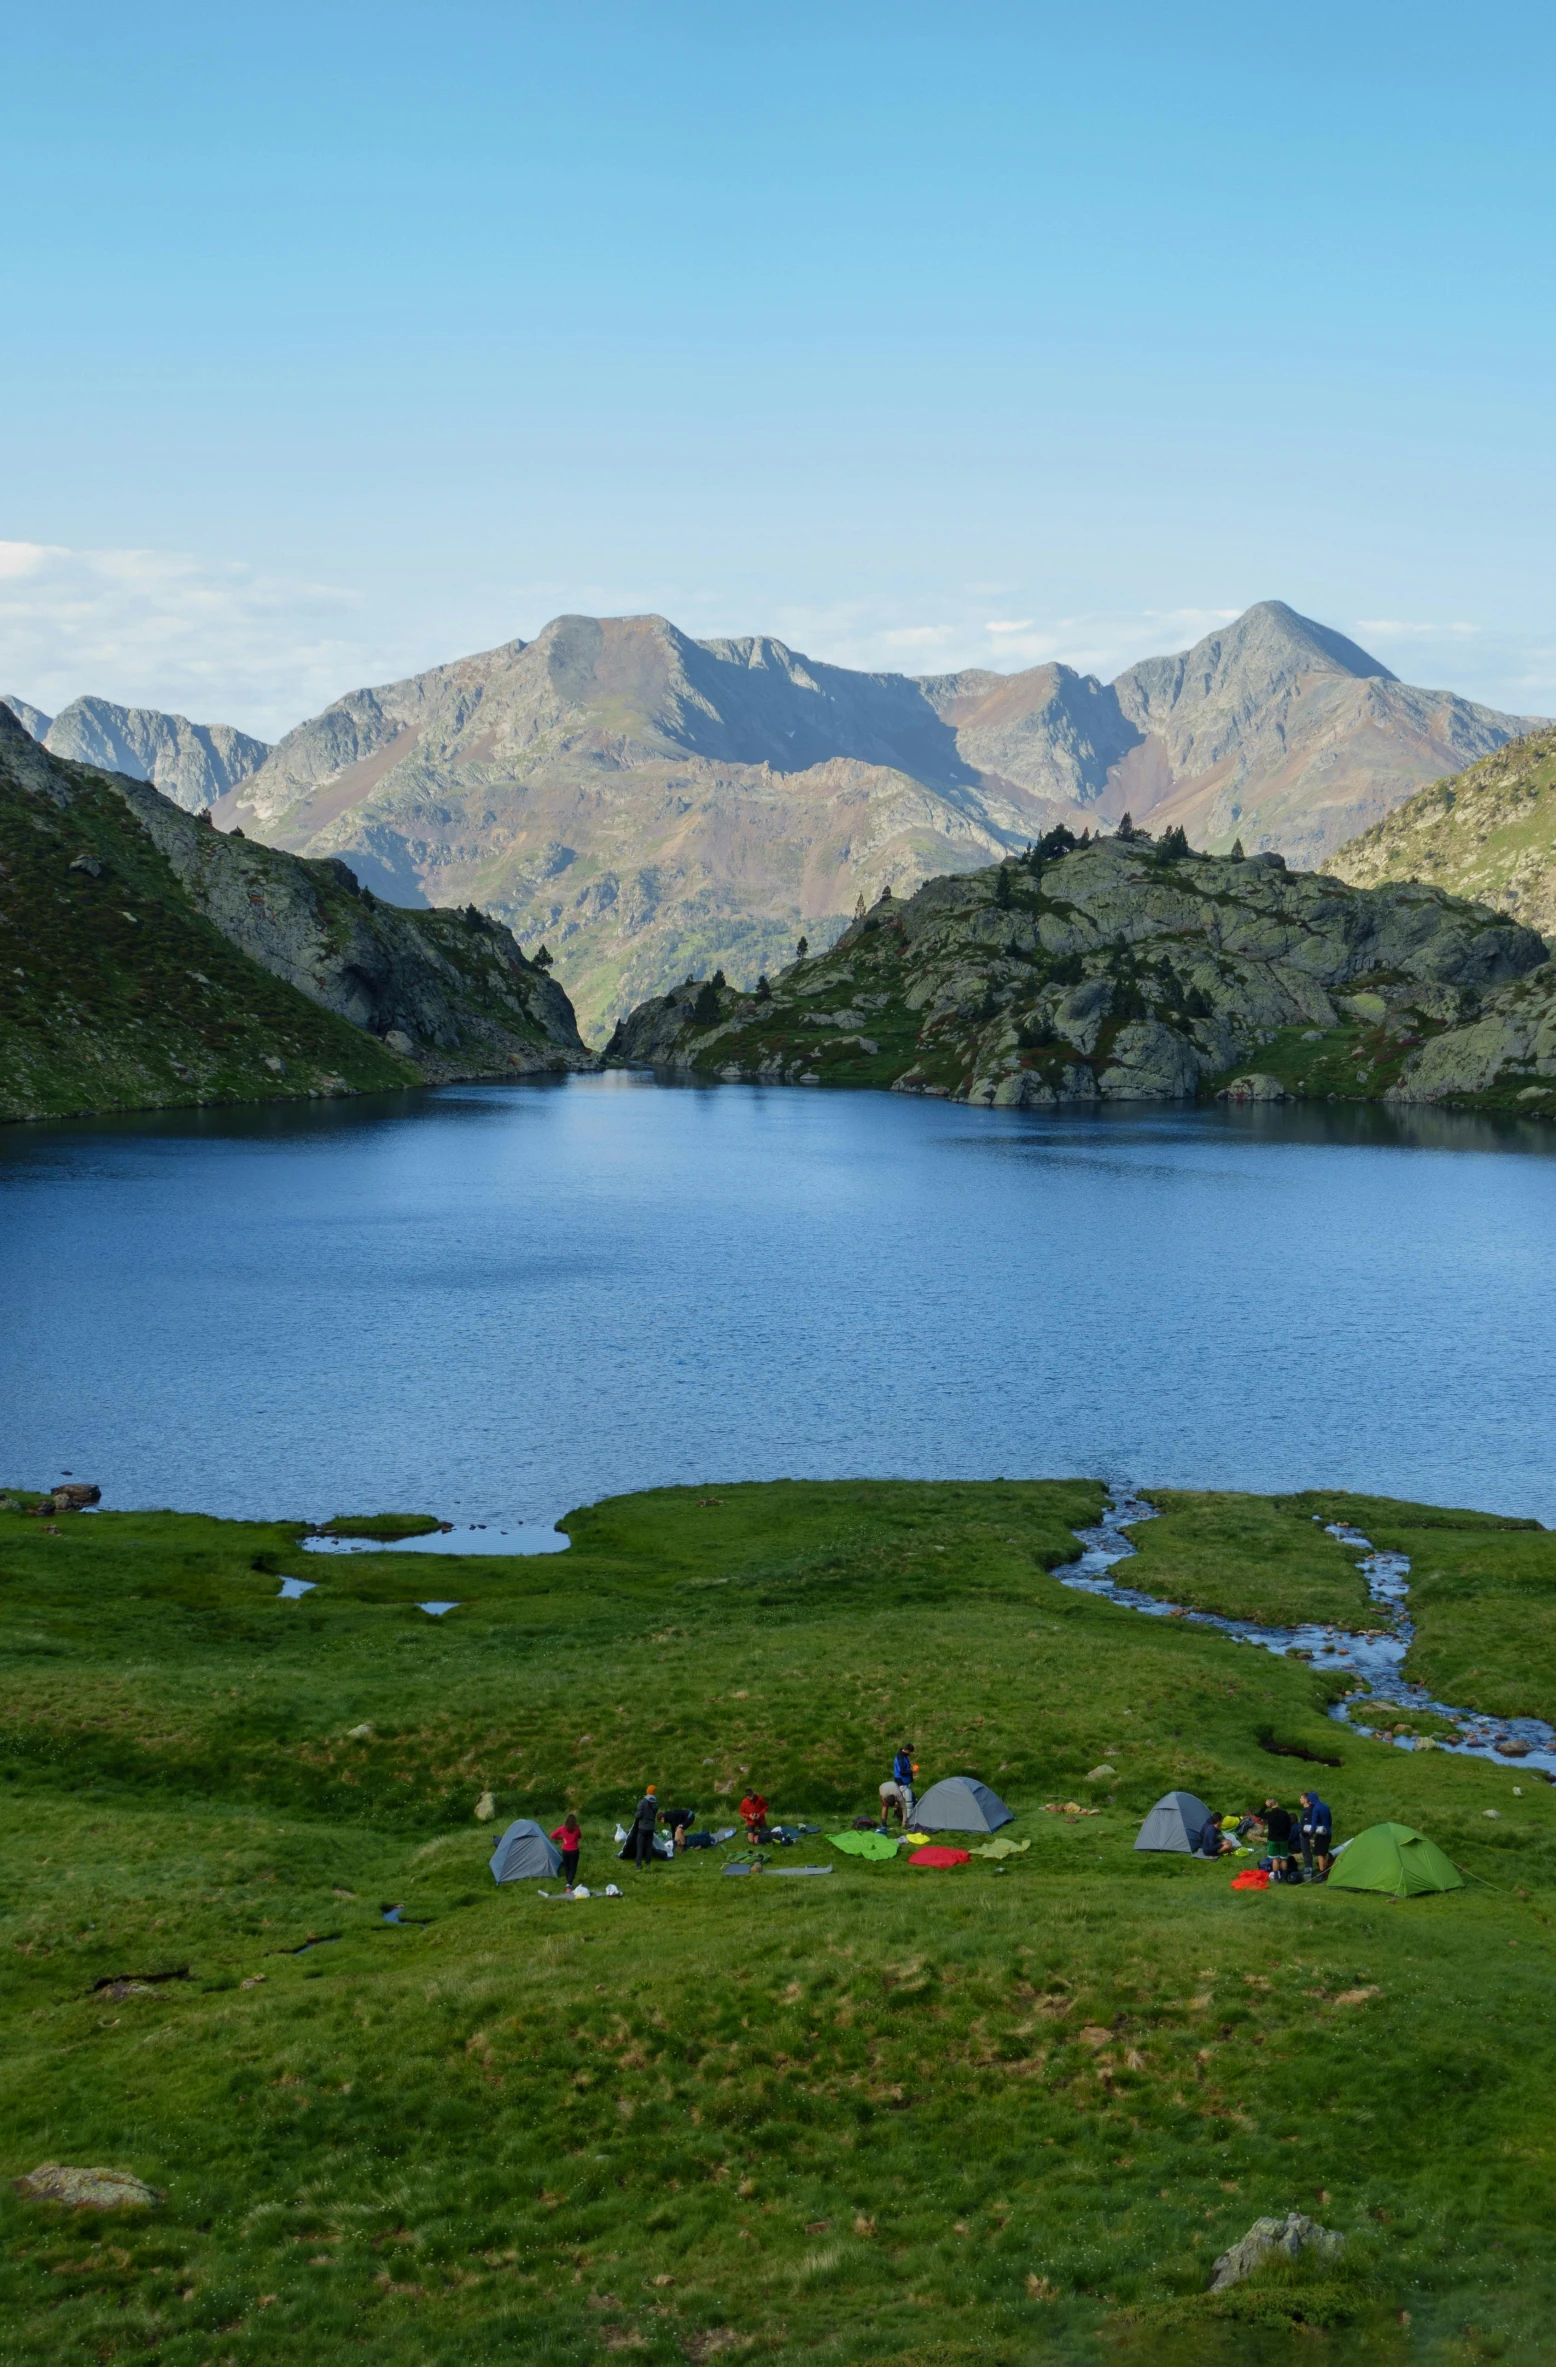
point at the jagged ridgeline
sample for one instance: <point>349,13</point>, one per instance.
<point>148,961</point>
<point>1124,969</point>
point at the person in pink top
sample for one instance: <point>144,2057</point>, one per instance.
<point>569,1839</point>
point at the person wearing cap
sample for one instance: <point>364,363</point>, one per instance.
<point>644,1818</point>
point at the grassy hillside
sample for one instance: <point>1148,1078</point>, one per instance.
<point>1000,2114</point>
<point>116,993</point>
<point>1489,833</point>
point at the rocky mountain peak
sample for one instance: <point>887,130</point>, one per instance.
<point>32,719</point>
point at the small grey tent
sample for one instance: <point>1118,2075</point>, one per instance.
<point>524,1854</point>
<point>960,1804</point>
<point>1176,1822</point>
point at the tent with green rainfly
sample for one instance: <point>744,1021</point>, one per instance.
<point>1394,1859</point>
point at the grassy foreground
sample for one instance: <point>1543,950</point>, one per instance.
<point>1001,2114</point>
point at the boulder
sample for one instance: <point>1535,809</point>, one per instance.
<point>1150,1063</point>
<point>86,2190</point>
<point>1257,1085</point>
<point>1292,2235</point>
<point>74,1495</point>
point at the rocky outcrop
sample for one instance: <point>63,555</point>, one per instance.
<point>1504,1058</point>
<point>1115,970</point>
<point>86,2190</point>
<point>1270,2239</point>
<point>452,987</point>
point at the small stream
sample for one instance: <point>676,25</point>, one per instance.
<point>1373,1656</point>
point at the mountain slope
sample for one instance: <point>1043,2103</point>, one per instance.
<point>1490,833</point>
<point>1287,735</point>
<point>32,719</point>
<point>149,961</point>
<point>642,801</point>
<point>1116,970</point>
<point>192,763</point>
<point>650,804</point>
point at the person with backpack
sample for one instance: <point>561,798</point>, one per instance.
<point>569,1839</point>
<point>644,1818</point>
<point>1317,1837</point>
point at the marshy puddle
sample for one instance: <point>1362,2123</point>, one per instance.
<point>1375,1657</point>
<point>436,1610</point>
<point>464,1537</point>
<point>293,1589</point>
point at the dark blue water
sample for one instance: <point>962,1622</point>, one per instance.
<point>497,1302</point>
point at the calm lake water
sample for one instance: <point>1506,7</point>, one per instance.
<point>494,1303</point>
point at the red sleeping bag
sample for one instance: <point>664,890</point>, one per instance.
<point>932,1854</point>
<point>1251,1878</point>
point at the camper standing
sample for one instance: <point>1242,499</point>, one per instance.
<point>569,1839</point>
<point>1317,1837</point>
<point>643,1821</point>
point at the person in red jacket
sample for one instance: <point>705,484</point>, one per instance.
<point>569,1839</point>
<point>753,1809</point>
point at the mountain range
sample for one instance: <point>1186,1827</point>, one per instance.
<point>192,763</point>
<point>652,805</point>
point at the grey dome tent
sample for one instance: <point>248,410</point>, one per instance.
<point>960,1804</point>
<point>1176,1822</point>
<point>524,1854</point>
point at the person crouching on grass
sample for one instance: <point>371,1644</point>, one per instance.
<point>569,1839</point>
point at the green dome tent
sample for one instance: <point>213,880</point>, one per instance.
<point>1394,1859</point>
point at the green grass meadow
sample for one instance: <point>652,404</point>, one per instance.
<point>1006,2113</point>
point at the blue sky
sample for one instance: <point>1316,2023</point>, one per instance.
<point>340,340</point>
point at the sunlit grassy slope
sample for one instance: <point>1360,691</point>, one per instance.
<point>988,2115</point>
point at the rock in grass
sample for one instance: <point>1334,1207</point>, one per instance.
<point>485,1808</point>
<point>1258,1085</point>
<point>1291,2235</point>
<point>86,2190</point>
<point>1102,1773</point>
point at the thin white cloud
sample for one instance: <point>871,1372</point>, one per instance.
<point>222,642</point>
<point>22,558</point>
<point>1020,624</point>
<point>919,636</point>
<point>1392,628</point>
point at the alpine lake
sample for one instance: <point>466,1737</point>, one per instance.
<point>783,1410</point>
